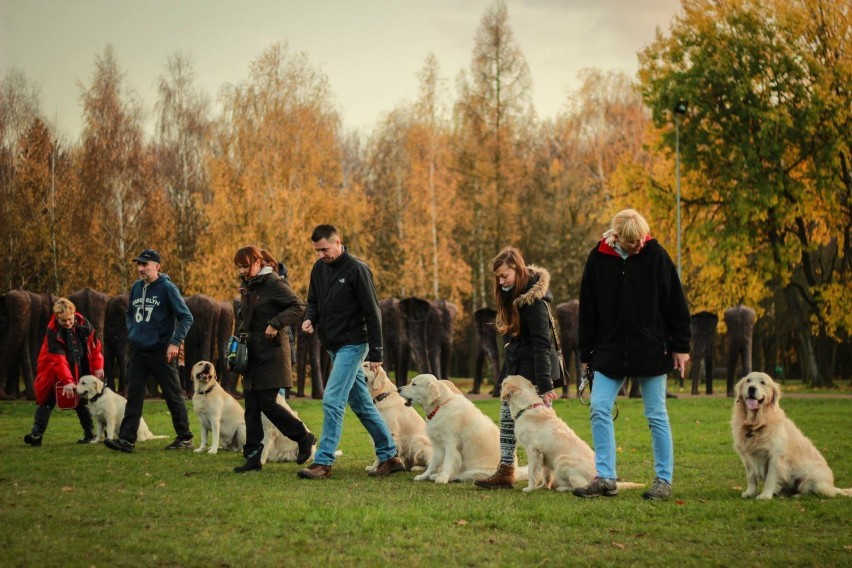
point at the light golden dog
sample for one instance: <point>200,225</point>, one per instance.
<point>276,446</point>
<point>219,413</point>
<point>558,458</point>
<point>772,449</point>
<point>465,442</point>
<point>406,426</point>
<point>107,409</point>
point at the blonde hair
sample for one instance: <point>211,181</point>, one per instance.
<point>627,225</point>
<point>64,306</point>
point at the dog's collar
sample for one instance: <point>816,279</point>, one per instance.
<point>381,397</point>
<point>530,407</point>
<point>97,396</point>
<point>208,390</point>
<point>435,410</point>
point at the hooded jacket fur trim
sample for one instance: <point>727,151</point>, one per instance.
<point>540,278</point>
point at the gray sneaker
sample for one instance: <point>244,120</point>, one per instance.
<point>597,487</point>
<point>179,444</point>
<point>661,489</point>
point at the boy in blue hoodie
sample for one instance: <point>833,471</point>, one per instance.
<point>157,322</point>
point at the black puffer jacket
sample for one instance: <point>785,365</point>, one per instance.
<point>532,353</point>
<point>268,300</point>
<point>633,312</point>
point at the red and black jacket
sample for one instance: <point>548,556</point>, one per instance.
<point>56,360</point>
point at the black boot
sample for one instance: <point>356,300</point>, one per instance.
<point>88,437</point>
<point>33,438</point>
<point>252,462</point>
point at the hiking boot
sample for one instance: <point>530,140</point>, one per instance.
<point>597,487</point>
<point>119,444</point>
<point>387,467</point>
<point>33,439</point>
<point>661,489</point>
<point>306,445</point>
<point>252,463</point>
<point>180,444</point>
<point>503,478</point>
<point>88,438</point>
<point>315,471</point>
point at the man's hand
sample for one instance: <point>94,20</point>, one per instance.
<point>270,332</point>
<point>307,327</point>
<point>680,360</point>
<point>374,366</point>
<point>172,352</point>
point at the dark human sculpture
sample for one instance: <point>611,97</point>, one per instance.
<point>223,332</point>
<point>414,318</point>
<point>740,323</point>
<point>567,317</point>
<point>93,305</point>
<point>309,353</point>
<point>200,342</point>
<point>116,352</point>
<point>703,338</point>
<point>439,336</point>
<point>486,350</point>
<point>15,356</point>
<point>391,335</point>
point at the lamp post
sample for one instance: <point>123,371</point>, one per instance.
<point>679,110</point>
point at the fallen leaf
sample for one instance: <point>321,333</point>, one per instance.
<point>187,474</point>
<point>619,449</point>
<point>613,531</point>
<point>147,474</point>
<point>67,488</point>
<point>161,484</point>
<point>618,545</point>
<point>680,502</point>
<point>462,523</point>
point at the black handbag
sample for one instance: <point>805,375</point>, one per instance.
<point>238,353</point>
<point>563,374</point>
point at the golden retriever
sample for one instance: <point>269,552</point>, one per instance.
<point>558,458</point>
<point>772,449</point>
<point>276,446</point>
<point>465,442</point>
<point>406,426</point>
<point>107,409</point>
<point>218,412</point>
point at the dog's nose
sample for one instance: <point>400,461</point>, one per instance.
<point>751,391</point>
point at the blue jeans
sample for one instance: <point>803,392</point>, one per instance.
<point>348,383</point>
<point>604,391</point>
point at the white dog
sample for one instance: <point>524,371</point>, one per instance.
<point>772,448</point>
<point>107,409</point>
<point>465,442</point>
<point>406,426</point>
<point>558,458</point>
<point>218,412</point>
<point>276,446</point>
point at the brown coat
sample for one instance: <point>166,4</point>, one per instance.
<point>268,300</point>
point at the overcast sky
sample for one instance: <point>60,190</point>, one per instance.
<point>371,50</point>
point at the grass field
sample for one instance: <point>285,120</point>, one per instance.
<point>69,505</point>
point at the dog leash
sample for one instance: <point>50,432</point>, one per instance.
<point>586,382</point>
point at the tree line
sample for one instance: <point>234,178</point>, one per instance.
<point>447,179</point>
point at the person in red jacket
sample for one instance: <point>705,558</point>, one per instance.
<point>70,350</point>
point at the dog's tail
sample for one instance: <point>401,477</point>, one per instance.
<point>155,437</point>
<point>845,492</point>
<point>628,485</point>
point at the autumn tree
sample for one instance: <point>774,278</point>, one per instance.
<point>116,174</point>
<point>182,139</point>
<point>412,188</point>
<point>767,132</point>
<point>276,172</point>
<point>492,110</point>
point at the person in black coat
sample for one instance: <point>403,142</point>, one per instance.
<point>634,322</point>
<point>268,306</point>
<point>522,294</point>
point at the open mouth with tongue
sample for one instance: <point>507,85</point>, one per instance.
<point>752,403</point>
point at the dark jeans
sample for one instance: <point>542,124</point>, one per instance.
<point>42,415</point>
<point>264,401</point>
<point>141,365</point>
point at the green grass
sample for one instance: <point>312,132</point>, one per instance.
<point>68,505</point>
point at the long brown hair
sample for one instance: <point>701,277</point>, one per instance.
<point>508,319</point>
<point>248,256</point>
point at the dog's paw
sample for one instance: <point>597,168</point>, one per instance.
<point>422,477</point>
<point>747,494</point>
<point>199,450</point>
<point>529,489</point>
<point>444,479</point>
<point>212,451</point>
<point>764,496</point>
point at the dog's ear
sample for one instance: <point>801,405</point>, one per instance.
<point>507,390</point>
<point>738,390</point>
<point>776,393</point>
<point>433,392</point>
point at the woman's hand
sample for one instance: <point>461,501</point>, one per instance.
<point>270,332</point>
<point>549,397</point>
<point>99,374</point>
<point>68,390</point>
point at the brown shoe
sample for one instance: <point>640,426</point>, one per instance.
<point>315,471</point>
<point>504,478</point>
<point>388,467</point>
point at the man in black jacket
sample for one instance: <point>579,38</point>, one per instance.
<point>342,303</point>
